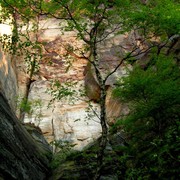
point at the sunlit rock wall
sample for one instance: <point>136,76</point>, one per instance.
<point>20,156</point>
<point>63,120</point>
<point>8,81</point>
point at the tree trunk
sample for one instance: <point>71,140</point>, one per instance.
<point>103,118</point>
<point>27,91</point>
<point>103,139</point>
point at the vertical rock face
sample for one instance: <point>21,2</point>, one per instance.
<point>8,81</point>
<point>64,121</point>
<point>20,156</point>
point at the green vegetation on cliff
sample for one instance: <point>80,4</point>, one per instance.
<point>151,90</point>
<point>152,126</point>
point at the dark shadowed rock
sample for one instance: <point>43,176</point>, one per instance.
<point>20,156</point>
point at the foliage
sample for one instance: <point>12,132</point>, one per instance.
<point>59,91</point>
<point>152,127</point>
<point>26,106</point>
<point>81,15</point>
<point>159,17</point>
<point>30,107</point>
<point>157,23</point>
<point>62,150</point>
<point>84,162</point>
<point>21,44</point>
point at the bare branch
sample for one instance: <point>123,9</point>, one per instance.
<point>125,58</point>
<point>109,33</point>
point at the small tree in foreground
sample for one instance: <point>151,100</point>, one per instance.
<point>94,21</point>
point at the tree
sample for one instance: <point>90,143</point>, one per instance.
<point>20,43</point>
<point>94,21</point>
<point>152,93</point>
<point>152,125</point>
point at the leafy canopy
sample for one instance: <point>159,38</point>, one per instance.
<point>152,126</point>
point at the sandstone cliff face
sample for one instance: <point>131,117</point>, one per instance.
<point>64,121</point>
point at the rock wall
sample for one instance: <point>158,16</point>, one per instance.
<point>20,157</point>
<point>23,155</point>
<point>64,121</point>
<point>8,81</point>
<point>26,157</point>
